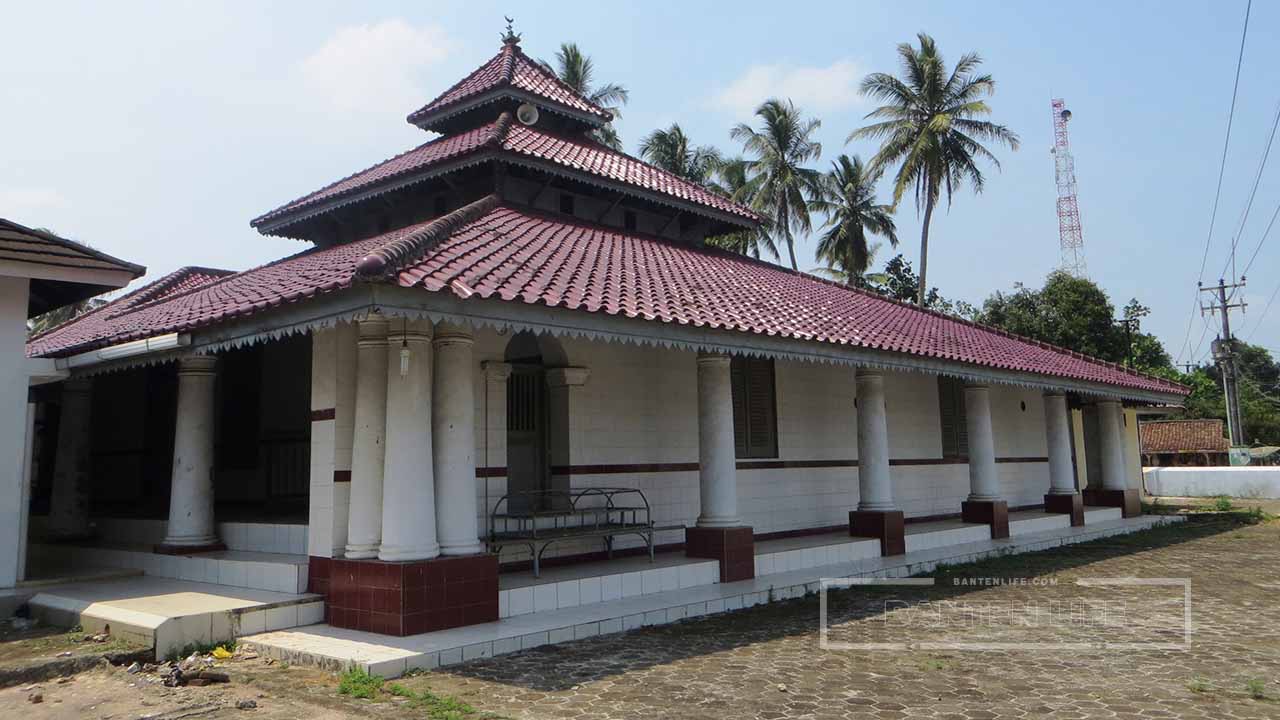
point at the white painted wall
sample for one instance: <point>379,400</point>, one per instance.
<point>1242,482</point>
<point>13,423</point>
<point>640,407</point>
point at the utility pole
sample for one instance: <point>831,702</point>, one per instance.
<point>1225,355</point>
<point>1129,323</point>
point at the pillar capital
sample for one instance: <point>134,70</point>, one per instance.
<point>868,374</point>
<point>973,385</point>
<point>568,376</point>
<point>453,334</point>
<point>409,331</point>
<point>198,365</point>
<point>714,359</point>
<point>496,372</point>
<point>373,330</point>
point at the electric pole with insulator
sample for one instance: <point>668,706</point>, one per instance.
<point>1224,353</point>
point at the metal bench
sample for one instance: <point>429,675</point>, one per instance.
<point>537,519</point>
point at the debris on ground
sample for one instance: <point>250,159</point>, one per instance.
<point>134,668</point>
<point>65,654</point>
<point>221,653</point>
<point>35,698</point>
<point>246,704</point>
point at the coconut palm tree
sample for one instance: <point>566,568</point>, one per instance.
<point>848,199</point>
<point>671,150</point>
<point>865,280</point>
<point>575,69</point>
<point>932,126</point>
<point>730,180</point>
<point>780,186</point>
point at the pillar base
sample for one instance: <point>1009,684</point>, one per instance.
<point>988,512</point>
<point>1129,501</point>
<point>171,549</point>
<point>734,547</point>
<point>409,597</point>
<point>885,525</point>
<point>1072,505</point>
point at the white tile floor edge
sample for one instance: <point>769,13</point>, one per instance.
<point>236,568</point>
<point>576,592</point>
<point>338,649</point>
<point>288,538</point>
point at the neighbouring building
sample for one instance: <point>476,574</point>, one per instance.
<point>512,344</point>
<point>1175,443</point>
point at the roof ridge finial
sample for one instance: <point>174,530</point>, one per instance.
<point>511,37</point>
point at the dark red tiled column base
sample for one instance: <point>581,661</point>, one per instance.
<point>1127,500</point>
<point>888,526</point>
<point>1072,505</point>
<point>412,597</point>
<point>163,549</point>
<point>734,547</point>
<point>988,512</point>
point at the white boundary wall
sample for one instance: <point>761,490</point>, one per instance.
<point>1242,482</point>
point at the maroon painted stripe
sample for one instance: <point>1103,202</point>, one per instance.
<point>342,476</point>
<point>325,414</point>
<point>498,471</point>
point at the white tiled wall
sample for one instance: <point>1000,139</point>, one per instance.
<point>289,539</point>
<point>639,405</point>
<point>586,591</point>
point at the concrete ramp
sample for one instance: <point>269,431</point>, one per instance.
<point>170,615</point>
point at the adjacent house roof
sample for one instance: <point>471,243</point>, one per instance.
<point>519,143</point>
<point>489,250</point>
<point>1191,436</point>
<point>62,271</point>
<point>510,73</point>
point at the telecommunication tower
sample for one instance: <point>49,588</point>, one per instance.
<point>1069,236</point>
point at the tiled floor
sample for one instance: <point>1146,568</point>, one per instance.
<point>276,572</point>
<point>389,656</point>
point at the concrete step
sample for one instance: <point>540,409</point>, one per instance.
<point>276,572</point>
<point>338,649</point>
<point>170,615</point>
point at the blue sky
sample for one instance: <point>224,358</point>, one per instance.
<point>156,131</point>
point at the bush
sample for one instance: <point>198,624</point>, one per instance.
<point>1222,504</point>
<point>359,684</point>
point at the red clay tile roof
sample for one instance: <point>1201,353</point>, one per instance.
<point>1172,436</point>
<point>510,68</point>
<point>516,255</point>
<point>523,142</point>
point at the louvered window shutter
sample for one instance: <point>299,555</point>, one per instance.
<point>955,431</point>
<point>755,424</point>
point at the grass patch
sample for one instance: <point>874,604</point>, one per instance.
<point>1222,503</point>
<point>933,664</point>
<point>1256,688</point>
<point>1199,686</point>
<point>359,684</point>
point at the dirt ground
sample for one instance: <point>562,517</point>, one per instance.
<point>767,663</point>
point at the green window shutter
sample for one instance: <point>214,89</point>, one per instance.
<point>738,374</point>
<point>755,422</point>
<point>955,431</point>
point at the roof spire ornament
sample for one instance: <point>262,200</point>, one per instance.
<point>511,37</point>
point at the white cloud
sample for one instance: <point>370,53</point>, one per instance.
<point>815,89</point>
<point>18,201</point>
<point>381,67</point>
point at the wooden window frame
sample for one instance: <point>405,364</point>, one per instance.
<point>953,425</point>
<point>748,396</point>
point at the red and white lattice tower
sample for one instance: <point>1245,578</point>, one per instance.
<point>1069,235</point>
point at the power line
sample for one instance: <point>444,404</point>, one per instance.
<point>1265,308</point>
<point>1231,114</point>
<point>1261,240</point>
<point>1257,179</point>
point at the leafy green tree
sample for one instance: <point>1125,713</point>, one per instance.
<point>576,69</point>
<point>779,185</point>
<point>672,151</point>
<point>64,314</point>
<point>932,126</point>
<point>1259,391</point>
<point>730,180</point>
<point>1070,312</point>
<point>899,281</point>
<point>848,199</point>
<point>867,280</point>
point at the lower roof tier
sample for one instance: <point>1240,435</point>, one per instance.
<point>487,250</point>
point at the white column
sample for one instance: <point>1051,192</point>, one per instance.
<point>408,485</point>
<point>346,359</point>
<point>13,402</point>
<point>191,522</point>
<point>364,520</point>
<point>1057,430</point>
<point>875,490</point>
<point>984,484</point>
<point>69,506</point>
<point>453,438</point>
<point>717,461</point>
<point>1111,440</point>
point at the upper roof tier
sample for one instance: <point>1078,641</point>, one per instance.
<point>512,75</point>
<point>513,142</point>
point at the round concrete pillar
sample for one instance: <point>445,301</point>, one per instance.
<point>453,439</point>
<point>368,450</point>
<point>408,483</point>
<point>1111,442</point>
<point>875,490</point>
<point>717,462</point>
<point>984,484</point>
<point>191,521</point>
<point>1057,428</point>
